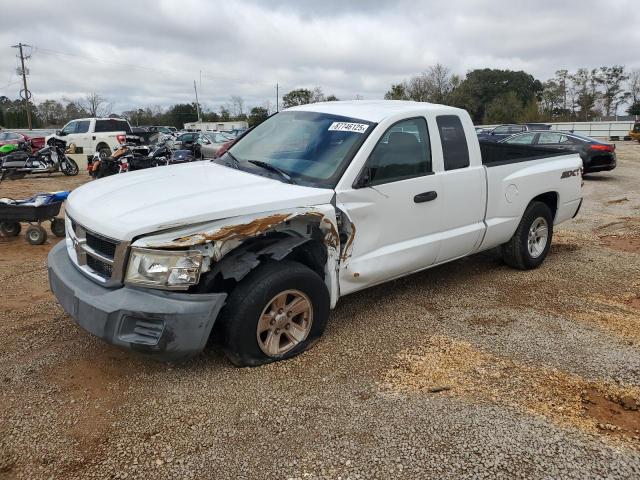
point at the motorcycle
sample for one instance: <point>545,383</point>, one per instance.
<point>118,162</point>
<point>50,159</point>
<point>159,155</point>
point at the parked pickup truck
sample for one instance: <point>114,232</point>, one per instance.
<point>254,249</point>
<point>91,135</point>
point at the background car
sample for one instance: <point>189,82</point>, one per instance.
<point>504,131</point>
<point>212,142</point>
<point>13,138</point>
<point>596,156</point>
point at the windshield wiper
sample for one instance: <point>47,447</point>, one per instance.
<point>273,168</point>
<point>236,163</point>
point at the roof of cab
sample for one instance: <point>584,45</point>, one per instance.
<point>372,110</point>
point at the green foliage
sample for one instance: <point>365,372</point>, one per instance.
<point>301,96</point>
<point>257,116</point>
<point>634,109</point>
<point>481,87</point>
<point>397,92</point>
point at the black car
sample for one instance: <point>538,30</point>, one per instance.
<point>596,156</point>
<point>505,131</point>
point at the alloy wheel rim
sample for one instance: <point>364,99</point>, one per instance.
<point>538,237</point>
<point>284,323</point>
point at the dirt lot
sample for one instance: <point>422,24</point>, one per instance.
<point>471,369</point>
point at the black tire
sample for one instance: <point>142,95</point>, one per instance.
<point>36,235</point>
<point>10,229</point>
<point>516,251</point>
<point>239,318</point>
<point>104,152</point>
<point>69,167</point>
<point>57,227</point>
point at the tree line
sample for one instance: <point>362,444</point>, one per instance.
<point>489,95</point>
<point>504,96</point>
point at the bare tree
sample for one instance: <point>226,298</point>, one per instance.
<point>94,105</point>
<point>237,106</point>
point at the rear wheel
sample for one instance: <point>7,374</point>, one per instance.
<point>36,235</point>
<point>278,311</point>
<point>530,244</point>
<point>10,229</point>
<point>57,227</point>
<point>104,152</point>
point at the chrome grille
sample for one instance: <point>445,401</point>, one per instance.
<point>99,257</point>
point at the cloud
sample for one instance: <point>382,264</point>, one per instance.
<point>146,53</point>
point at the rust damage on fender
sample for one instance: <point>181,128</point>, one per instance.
<point>232,232</point>
<point>236,233</point>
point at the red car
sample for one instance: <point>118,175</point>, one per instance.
<point>7,138</point>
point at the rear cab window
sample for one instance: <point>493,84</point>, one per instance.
<point>455,151</point>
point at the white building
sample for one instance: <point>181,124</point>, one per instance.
<point>216,126</point>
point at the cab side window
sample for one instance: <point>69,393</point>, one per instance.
<point>70,128</point>
<point>455,150</point>
<point>403,152</point>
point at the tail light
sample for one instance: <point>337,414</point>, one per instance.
<point>121,138</point>
<point>603,148</point>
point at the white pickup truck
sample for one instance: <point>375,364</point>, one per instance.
<point>95,135</point>
<point>254,249</point>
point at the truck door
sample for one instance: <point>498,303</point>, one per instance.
<point>395,209</point>
<point>82,137</point>
<point>462,191</point>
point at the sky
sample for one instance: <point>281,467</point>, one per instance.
<point>143,53</point>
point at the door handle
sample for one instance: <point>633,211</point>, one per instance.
<point>425,197</point>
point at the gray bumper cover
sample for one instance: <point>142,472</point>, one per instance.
<point>168,325</point>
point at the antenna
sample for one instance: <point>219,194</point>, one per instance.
<point>197,103</point>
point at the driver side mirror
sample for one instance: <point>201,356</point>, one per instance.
<point>364,180</point>
<point>60,133</point>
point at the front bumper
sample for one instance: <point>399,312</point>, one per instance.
<point>168,325</point>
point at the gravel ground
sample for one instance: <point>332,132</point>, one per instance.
<point>468,370</point>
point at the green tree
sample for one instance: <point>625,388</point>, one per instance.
<point>612,80</point>
<point>257,115</point>
<point>181,113</point>
<point>397,92</point>
<point>504,108</point>
<point>301,96</point>
<point>481,87</point>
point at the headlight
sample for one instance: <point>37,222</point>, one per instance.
<point>164,268</point>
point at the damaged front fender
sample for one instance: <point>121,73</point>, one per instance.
<point>225,237</point>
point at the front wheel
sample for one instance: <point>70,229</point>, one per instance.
<point>69,167</point>
<point>530,244</point>
<point>36,235</point>
<point>278,311</point>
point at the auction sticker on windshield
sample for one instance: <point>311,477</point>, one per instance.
<point>348,127</point>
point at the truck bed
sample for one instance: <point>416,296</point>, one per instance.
<point>494,154</point>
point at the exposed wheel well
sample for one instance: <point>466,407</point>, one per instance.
<point>550,199</point>
<point>235,265</point>
<point>102,145</point>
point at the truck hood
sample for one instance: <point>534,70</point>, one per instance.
<point>128,205</point>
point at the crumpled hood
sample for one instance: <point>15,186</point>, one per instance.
<point>128,205</point>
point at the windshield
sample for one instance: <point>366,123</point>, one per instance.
<point>312,148</point>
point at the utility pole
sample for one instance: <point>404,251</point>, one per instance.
<point>25,93</point>
<point>197,103</point>
<point>277,99</point>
